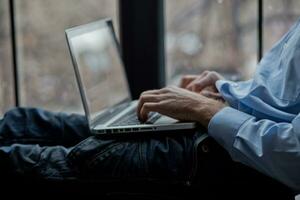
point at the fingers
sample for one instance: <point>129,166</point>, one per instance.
<point>206,79</point>
<point>146,108</point>
<point>212,95</point>
<point>151,92</point>
<point>143,99</point>
<point>211,88</point>
<point>158,100</point>
<point>187,79</point>
<point>199,84</point>
<point>149,101</point>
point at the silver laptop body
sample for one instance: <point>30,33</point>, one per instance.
<point>103,85</point>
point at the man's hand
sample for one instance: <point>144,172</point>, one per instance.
<point>198,83</point>
<point>180,104</point>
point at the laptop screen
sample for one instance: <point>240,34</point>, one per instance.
<point>95,51</point>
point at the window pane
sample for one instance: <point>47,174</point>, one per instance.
<point>47,77</point>
<point>279,16</point>
<point>211,34</point>
<point>6,75</point>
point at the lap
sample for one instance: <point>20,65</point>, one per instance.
<point>41,140</point>
<point>169,158</point>
<point>117,166</point>
<point>50,151</point>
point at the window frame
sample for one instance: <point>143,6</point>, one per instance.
<point>142,43</point>
<point>14,53</point>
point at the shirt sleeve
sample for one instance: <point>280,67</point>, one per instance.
<point>270,147</point>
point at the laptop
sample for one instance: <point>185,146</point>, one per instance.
<point>103,85</point>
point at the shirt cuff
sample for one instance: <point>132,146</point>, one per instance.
<point>224,126</point>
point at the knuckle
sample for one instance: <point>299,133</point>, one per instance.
<point>163,90</point>
<point>210,79</point>
<point>143,98</point>
<point>142,94</point>
<point>167,89</point>
<point>214,74</point>
<point>206,72</point>
<point>159,104</point>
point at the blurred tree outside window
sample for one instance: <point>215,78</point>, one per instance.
<point>6,70</point>
<point>216,35</point>
<point>47,78</point>
<point>279,16</point>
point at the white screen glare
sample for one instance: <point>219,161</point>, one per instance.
<point>100,66</point>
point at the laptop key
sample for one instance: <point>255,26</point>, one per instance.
<point>153,118</point>
<point>132,119</point>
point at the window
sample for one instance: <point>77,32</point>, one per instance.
<point>200,35</point>
<point>6,77</point>
<point>216,35</point>
<point>46,74</point>
<point>279,16</point>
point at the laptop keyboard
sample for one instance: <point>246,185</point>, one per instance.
<point>109,114</point>
<point>132,119</point>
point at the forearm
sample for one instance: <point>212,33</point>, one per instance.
<point>272,148</point>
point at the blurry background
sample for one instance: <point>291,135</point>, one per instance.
<point>217,35</point>
<point>46,73</point>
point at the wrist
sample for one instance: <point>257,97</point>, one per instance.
<point>205,112</point>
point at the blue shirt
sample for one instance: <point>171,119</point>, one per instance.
<point>261,128</point>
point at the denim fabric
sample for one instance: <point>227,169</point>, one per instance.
<point>35,142</point>
<point>165,158</point>
<point>49,145</point>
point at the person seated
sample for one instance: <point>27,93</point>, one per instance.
<point>256,121</point>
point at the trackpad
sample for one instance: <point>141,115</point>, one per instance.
<point>166,120</point>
